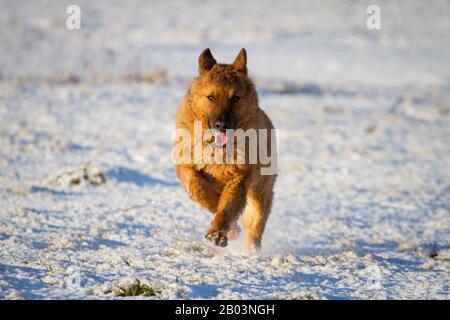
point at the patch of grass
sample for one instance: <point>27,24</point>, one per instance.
<point>139,289</point>
<point>305,296</point>
<point>298,296</point>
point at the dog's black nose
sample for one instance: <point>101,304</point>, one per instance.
<point>222,125</point>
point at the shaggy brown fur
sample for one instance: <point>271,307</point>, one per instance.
<point>230,189</point>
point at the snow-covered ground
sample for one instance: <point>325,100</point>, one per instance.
<point>88,190</point>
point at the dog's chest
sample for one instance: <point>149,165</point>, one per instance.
<point>218,173</point>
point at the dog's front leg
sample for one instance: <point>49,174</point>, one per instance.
<point>198,188</point>
<point>231,202</point>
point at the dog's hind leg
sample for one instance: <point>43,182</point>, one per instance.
<point>255,215</point>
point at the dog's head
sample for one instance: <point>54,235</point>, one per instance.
<point>223,93</point>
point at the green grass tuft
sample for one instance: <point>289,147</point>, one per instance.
<point>139,289</point>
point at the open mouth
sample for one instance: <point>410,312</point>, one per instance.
<point>220,138</point>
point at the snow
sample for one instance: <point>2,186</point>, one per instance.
<point>89,197</point>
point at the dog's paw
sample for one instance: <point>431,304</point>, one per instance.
<point>218,238</point>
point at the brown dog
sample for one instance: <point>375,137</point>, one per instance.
<point>220,98</point>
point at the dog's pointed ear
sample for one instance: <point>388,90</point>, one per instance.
<point>206,61</point>
<point>240,63</point>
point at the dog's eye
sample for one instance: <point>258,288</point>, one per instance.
<point>210,97</point>
<point>234,99</point>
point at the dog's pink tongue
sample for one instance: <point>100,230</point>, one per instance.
<point>220,138</point>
